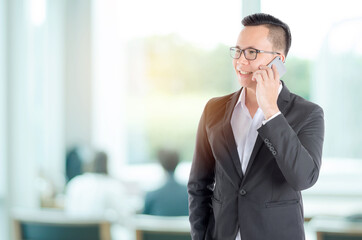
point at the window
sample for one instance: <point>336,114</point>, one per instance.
<point>323,65</point>
<point>175,57</point>
<point>3,180</point>
<point>2,100</point>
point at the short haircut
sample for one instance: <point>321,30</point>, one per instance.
<point>100,163</point>
<point>279,32</point>
<point>168,159</point>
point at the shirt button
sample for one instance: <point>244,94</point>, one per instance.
<point>242,192</point>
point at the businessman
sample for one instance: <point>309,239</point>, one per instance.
<point>257,148</point>
<point>171,198</point>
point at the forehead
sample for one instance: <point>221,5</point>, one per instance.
<point>254,36</point>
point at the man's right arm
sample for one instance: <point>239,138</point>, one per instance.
<point>201,182</point>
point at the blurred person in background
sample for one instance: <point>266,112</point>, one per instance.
<point>171,198</point>
<point>95,193</point>
<point>73,163</point>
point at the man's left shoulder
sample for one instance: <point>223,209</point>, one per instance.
<point>301,104</point>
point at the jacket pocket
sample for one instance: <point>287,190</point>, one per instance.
<point>281,203</point>
<point>282,220</point>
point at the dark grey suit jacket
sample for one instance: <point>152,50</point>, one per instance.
<point>266,202</point>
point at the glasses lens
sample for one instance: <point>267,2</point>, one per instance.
<point>235,53</point>
<point>250,54</point>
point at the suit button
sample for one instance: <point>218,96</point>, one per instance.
<point>266,140</point>
<point>242,192</point>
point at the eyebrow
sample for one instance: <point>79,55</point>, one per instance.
<point>246,47</point>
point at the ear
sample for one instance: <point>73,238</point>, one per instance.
<point>282,56</point>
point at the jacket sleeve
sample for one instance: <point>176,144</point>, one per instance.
<point>298,155</point>
<point>201,182</point>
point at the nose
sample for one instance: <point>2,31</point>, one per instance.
<point>242,60</point>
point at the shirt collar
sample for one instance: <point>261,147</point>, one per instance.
<point>241,99</point>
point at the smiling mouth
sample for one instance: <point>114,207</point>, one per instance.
<point>245,73</point>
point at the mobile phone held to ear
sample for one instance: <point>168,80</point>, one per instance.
<point>277,61</point>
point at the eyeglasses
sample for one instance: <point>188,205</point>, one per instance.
<point>249,53</point>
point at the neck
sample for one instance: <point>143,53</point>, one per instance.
<point>250,97</point>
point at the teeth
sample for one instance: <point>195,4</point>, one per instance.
<point>242,72</point>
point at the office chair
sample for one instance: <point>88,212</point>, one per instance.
<point>55,225</point>
<point>149,227</point>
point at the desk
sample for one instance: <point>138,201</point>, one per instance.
<point>152,227</point>
<point>336,228</point>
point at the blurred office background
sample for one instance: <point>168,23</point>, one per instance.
<point>130,77</point>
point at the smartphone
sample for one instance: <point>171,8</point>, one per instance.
<point>280,66</point>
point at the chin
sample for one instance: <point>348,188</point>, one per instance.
<point>246,82</point>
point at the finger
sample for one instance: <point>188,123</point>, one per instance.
<point>256,74</point>
<point>268,71</point>
<point>263,67</point>
<point>264,74</point>
<point>258,78</point>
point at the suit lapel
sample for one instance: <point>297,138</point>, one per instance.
<point>228,132</point>
<point>282,102</point>
<point>283,99</point>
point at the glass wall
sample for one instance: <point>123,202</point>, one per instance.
<point>175,57</point>
<point>2,98</point>
<point>3,214</point>
<point>324,65</point>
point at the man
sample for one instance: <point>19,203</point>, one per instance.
<point>257,148</point>
<point>171,198</point>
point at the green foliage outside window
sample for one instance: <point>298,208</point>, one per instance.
<point>298,76</point>
<point>180,77</point>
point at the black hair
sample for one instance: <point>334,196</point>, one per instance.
<point>100,163</point>
<point>168,159</point>
<point>279,39</point>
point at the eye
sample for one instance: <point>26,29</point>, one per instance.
<point>251,51</point>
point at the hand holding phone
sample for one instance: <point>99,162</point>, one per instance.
<point>277,61</point>
<point>267,89</point>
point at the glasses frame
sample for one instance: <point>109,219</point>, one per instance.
<point>242,51</point>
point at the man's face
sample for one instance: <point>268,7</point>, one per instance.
<point>252,37</point>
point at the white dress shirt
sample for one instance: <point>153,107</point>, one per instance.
<point>245,130</point>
